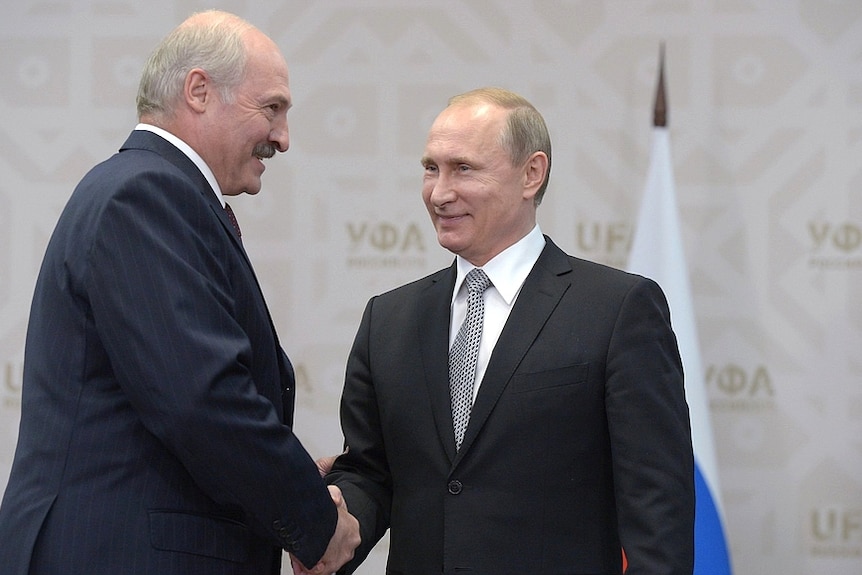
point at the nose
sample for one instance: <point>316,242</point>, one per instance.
<point>440,191</point>
<point>280,136</point>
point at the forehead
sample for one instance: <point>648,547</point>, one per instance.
<point>475,128</point>
<point>266,71</point>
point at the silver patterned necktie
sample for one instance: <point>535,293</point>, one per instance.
<point>465,351</point>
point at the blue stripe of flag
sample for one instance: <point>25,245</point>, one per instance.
<point>710,548</point>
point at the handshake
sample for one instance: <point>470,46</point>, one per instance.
<point>344,541</point>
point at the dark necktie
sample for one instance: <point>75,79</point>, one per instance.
<point>232,218</point>
<point>464,353</point>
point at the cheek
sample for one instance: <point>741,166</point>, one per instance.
<point>427,189</point>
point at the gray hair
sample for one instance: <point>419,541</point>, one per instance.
<point>525,131</point>
<point>211,41</point>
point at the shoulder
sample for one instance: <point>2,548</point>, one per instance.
<point>580,271</point>
<point>140,159</point>
<point>431,294</point>
<point>440,280</point>
<point>146,169</point>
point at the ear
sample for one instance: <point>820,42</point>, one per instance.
<point>535,170</point>
<point>197,90</point>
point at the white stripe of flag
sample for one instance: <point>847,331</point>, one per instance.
<point>657,252</point>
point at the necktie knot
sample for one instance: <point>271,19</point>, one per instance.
<point>477,281</point>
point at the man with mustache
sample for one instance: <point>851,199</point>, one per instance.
<point>157,402</point>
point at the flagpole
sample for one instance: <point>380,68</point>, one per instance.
<point>658,253</point>
<point>659,112</point>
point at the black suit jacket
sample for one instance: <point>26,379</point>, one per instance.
<point>156,400</point>
<point>578,443</point>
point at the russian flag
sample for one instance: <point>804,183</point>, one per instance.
<point>657,252</point>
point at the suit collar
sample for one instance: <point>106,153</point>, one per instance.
<point>145,140</point>
<point>150,141</point>
<point>189,152</point>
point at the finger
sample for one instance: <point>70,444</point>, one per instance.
<point>296,566</point>
<point>324,464</point>
<point>337,496</point>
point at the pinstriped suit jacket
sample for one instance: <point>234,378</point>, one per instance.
<point>157,400</point>
<point>578,441</point>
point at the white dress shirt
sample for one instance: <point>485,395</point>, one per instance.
<point>507,272</point>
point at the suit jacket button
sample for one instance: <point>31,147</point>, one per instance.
<point>455,487</point>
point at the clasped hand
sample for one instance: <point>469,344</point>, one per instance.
<point>342,545</point>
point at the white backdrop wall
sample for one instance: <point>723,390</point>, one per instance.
<point>766,127</point>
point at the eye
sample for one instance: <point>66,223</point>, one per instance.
<point>430,168</point>
<point>273,109</point>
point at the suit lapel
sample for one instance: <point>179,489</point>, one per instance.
<point>542,291</point>
<point>433,331</point>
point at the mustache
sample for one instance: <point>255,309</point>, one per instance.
<point>264,151</point>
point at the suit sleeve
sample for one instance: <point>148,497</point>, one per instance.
<point>650,435</point>
<point>164,301</point>
<point>363,472</point>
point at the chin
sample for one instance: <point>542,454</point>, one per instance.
<point>447,243</point>
<point>252,189</point>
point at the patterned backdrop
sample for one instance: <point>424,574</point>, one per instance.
<point>766,126</point>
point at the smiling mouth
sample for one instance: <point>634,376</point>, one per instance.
<point>447,219</point>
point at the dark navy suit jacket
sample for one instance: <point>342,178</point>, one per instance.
<point>157,402</point>
<point>578,442</point>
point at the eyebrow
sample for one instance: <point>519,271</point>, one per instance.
<point>453,160</point>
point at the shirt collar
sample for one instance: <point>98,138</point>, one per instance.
<point>508,269</point>
<point>188,151</point>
